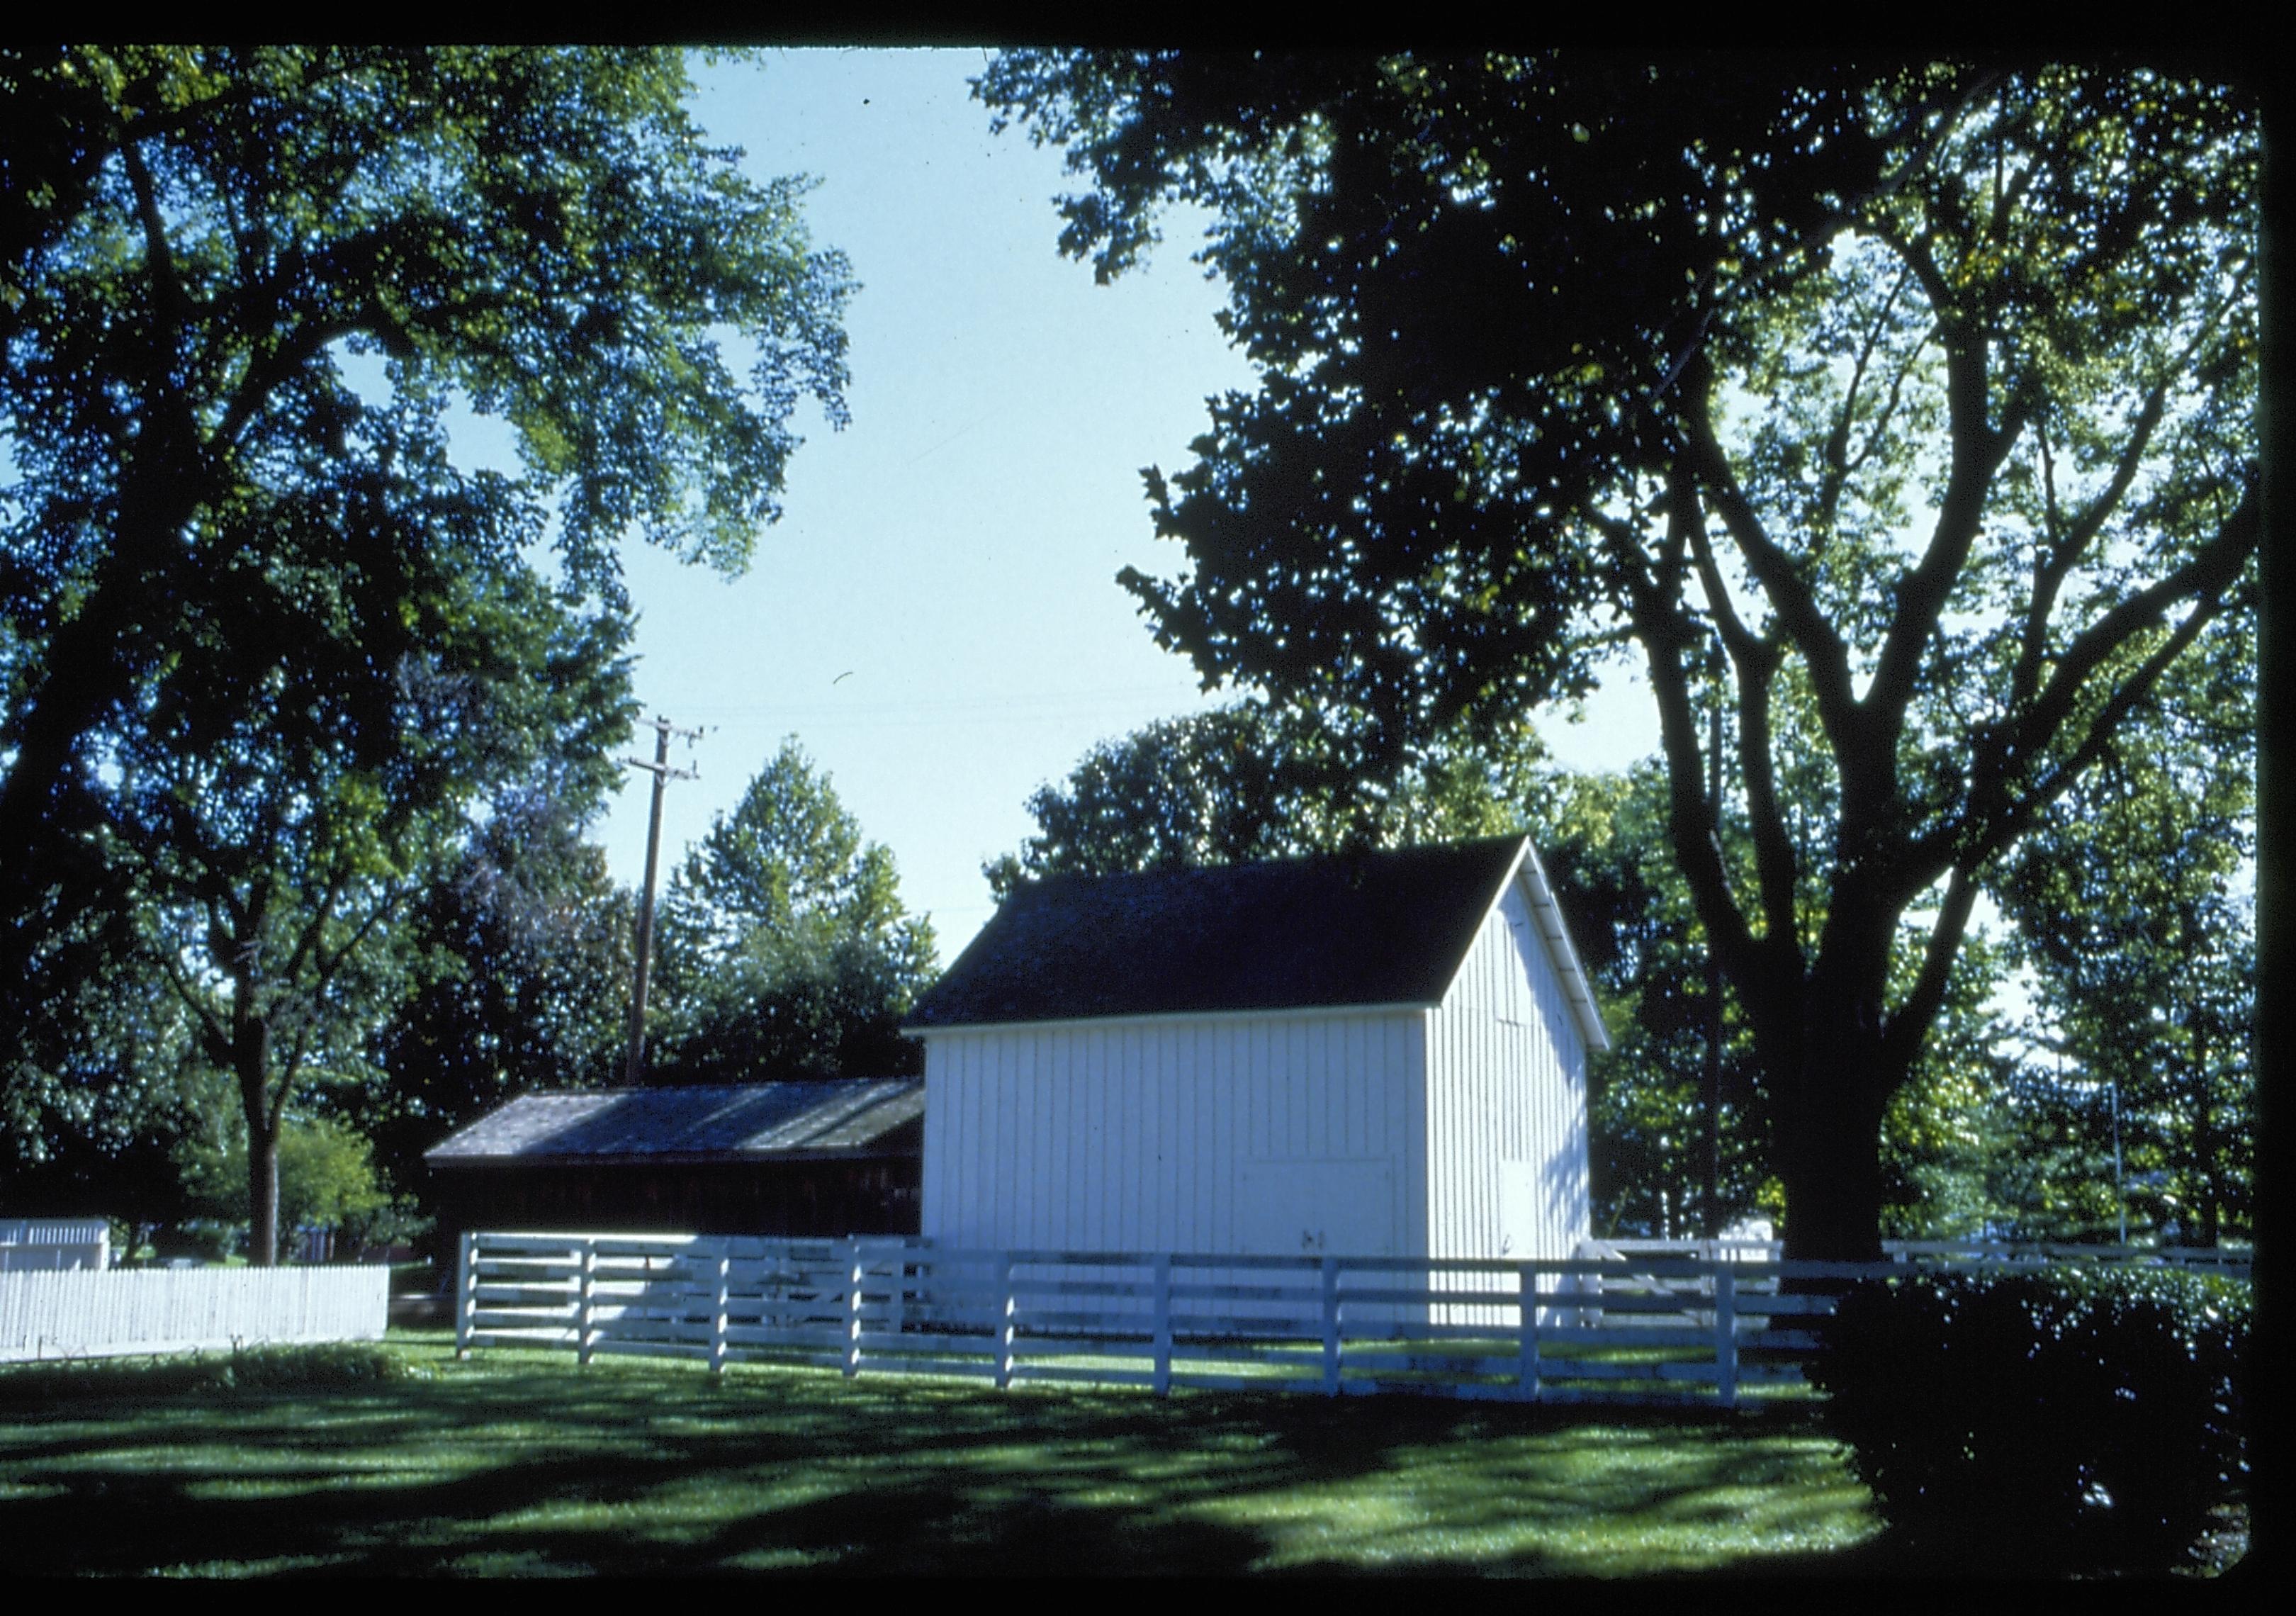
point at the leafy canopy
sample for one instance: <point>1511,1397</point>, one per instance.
<point>288,800</point>
<point>520,980</point>
<point>2136,921</point>
<point>265,647</point>
<point>1916,401</point>
<point>786,951</point>
<point>238,287</point>
<point>1248,782</point>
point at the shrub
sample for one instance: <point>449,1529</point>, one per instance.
<point>320,1367</point>
<point>2076,1416</point>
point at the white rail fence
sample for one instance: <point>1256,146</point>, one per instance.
<point>97,1315</point>
<point>2232,1261</point>
<point>1650,1329</point>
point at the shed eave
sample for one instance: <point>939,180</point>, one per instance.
<point>1393,1007</point>
<point>773,1158</point>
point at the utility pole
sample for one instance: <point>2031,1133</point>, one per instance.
<point>634,1068</point>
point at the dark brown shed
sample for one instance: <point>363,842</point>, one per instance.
<point>798,1159</point>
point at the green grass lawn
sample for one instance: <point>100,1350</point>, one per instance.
<point>524,1464</point>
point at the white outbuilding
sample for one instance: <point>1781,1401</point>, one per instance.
<point>1372,1055</point>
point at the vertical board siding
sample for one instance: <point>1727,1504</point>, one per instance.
<point>1506,1092</point>
<point>1140,1135</point>
<point>1131,1136</point>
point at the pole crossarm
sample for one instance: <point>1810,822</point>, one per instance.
<point>659,765</point>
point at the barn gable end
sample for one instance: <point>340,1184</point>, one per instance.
<point>1506,1097</point>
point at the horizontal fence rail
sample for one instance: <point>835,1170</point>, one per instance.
<point>1616,1328</point>
<point>2231,1261</point>
<point>69,1314</point>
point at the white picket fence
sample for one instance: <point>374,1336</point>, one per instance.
<point>1621,1330</point>
<point>38,1244</point>
<point>97,1315</point>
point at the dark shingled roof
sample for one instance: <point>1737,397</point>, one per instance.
<point>1382,928</point>
<point>746,1122</point>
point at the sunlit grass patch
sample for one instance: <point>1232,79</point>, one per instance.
<point>1595,1500</point>
<point>525,1464</point>
<point>282,1565</point>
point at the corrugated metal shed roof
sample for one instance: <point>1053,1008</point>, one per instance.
<point>744,1122</point>
<point>1380,928</point>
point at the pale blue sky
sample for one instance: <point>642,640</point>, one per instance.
<point>935,618</point>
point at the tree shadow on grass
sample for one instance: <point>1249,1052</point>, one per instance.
<point>652,1473</point>
<point>604,1515</point>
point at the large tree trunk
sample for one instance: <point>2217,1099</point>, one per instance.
<point>1832,1075</point>
<point>252,1057</point>
<point>263,1201</point>
<point>1830,1161</point>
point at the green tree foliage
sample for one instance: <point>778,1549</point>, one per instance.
<point>786,952</point>
<point>1603,841</point>
<point>285,802</point>
<point>237,284</point>
<point>1925,394</point>
<point>2137,923</point>
<point>326,1177</point>
<point>1248,782</point>
<point>522,974</point>
<point>1952,1142</point>
<point>90,1112</point>
<point>262,643</point>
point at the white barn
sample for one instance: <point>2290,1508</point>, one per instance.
<point>1373,1054</point>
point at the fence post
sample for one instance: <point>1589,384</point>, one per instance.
<point>466,1294</point>
<point>1005,1266</point>
<point>853,1307</point>
<point>1163,1322</point>
<point>1331,1299</point>
<point>1527,1307</point>
<point>900,1319</point>
<point>1725,1334</point>
<point>582,1301</point>
<point>724,1304</point>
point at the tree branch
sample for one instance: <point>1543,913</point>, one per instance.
<point>1755,660</point>
<point>2067,548</point>
<point>1978,451</point>
<point>214,1038</point>
<point>1790,595</point>
<point>2104,728</point>
<point>2207,574</point>
<point>1660,625</point>
<point>1835,453</point>
<point>1901,1038</point>
<point>1824,229</point>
